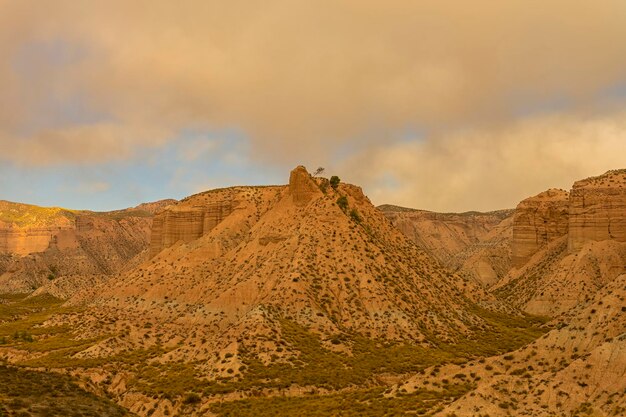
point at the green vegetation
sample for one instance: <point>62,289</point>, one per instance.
<point>27,215</point>
<point>342,202</point>
<point>28,393</point>
<point>352,379</point>
<point>21,317</point>
<point>355,216</point>
<point>334,182</point>
<point>314,365</point>
<point>366,402</point>
<point>122,214</point>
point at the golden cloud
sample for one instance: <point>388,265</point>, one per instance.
<point>491,169</point>
<point>302,78</point>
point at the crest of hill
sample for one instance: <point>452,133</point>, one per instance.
<point>230,265</point>
<point>23,215</point>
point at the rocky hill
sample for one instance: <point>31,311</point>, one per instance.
<point>325,257</point>
<point>554,251</point>
<point>44,246</point>
<point>304,287</point>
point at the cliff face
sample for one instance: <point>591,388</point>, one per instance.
<point>191,219</point>
<point>598,210</point>
<point>40,245</point>
<point>476,243</point>
<point>538,221</point>
<point>26,229</point>
<point>565,250</point>
<point>302,188</point>
<point>24,241</point>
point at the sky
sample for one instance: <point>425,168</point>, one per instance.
<point>438,104</point>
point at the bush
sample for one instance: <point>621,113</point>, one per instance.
<point>334,181</point>
<point>354,215</point>
<point>342,202</point>
<point>192,398</point>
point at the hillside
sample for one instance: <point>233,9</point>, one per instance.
<point>48,246</point>
<point>555,250</point>
<point>577,369</point>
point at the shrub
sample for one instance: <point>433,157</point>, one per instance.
<point>354,215</point>
<point>334,181</point>
<point>342,202</point>
<point>192,398</point>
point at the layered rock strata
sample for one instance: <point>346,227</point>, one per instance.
<point>538,221</point>
<point>598,210</point>
<point>185,223</point>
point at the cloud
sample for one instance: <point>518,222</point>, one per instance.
<point>80,145</point>
<point>491,169</point>
<point>301,77</point>
<point>529,83</point>
<point>88,188</point>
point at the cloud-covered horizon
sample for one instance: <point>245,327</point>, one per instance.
<point>376,92</point>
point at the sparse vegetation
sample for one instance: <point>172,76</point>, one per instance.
<point>29,393</point>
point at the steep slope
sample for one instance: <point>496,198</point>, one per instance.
<point>598,209</point>
<point>577,369</point>
<point>473,243</point>
<point>40,245</point>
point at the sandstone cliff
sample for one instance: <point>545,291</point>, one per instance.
<point>40,245</point>
<point>567,247</point>
<point>598,209</point>
<point>538,221</point>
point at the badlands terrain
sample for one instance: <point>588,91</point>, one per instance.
<point>306,300</point>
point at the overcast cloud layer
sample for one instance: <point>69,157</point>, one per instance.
<point>443,105</point>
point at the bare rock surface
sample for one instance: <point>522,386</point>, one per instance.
<point>598,209</point>
<point>538,221</point>
<point>39,244</point>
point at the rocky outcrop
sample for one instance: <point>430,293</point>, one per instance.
<point>598,210</point>
<point>198,215</point>
<point>302,187</point>
<point>567,249</point>
<point>27,240</point>
<point>39,245</point>
<point>187,222</point>
<point>538,221</point>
